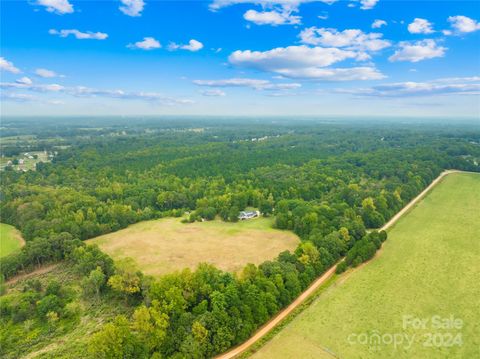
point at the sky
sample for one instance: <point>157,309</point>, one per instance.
<point>240,57</point>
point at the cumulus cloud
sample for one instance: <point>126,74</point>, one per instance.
<point>148,43</point>
<point>417,51</point>
<point>290,57</point>
<point>56,6</point>
<point>302,62</point>
<point>273,17</point>
<point>132,7</point>
<point>24,81</point>
<point>193,45</point>
<point>350,39</point>
<point>6,65</point>
<point>256,84</point>
<point>89,35</point>
<point>455,86</point>
<point>377,24</point>
<point>46,73</point>
<point>213,93</point>
<point>420,26</point>
<point>367,4</point>
<point>463,24</point>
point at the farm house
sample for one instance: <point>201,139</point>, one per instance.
<point>248,215</point>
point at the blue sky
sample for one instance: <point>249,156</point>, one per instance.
<point>240,57</point>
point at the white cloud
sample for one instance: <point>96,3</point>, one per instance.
<point>193,45</point>
<point>463,24</point>
<point>213,93</point>
<point>82,91</point>
<point>455,86</point>
<point>17,97</point>
<point>420,26</point>
<point>56,6</point>
<point>148,43</point>
<point>256,84</point>
<point>273,17</point>
<point>56,102</point>
<point>418,51</point>
<point>302,62</point>
<point>89,35</point>
<point>24,81</point>
<point>368,4</point>
<point>286,4</point>
<point>361,73</point>
<point>8,66</point>
<point>457,79</point>
<point>377,24</point>
<point>132,7</point>
<point>46,73</point>
<point>324,16</point>
<point>351,39</point>
<point>290,57</point>
<point>51,87</point>
<point>27,84</point>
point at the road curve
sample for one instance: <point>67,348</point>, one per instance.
<point>318,282</point>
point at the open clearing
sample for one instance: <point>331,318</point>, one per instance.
<point>10,239</point>
<point>428,267</point>
<point>165,245</point>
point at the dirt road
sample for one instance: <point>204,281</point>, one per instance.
<point>318,282</point>
<point>414,201</point>
<point>22,276</point>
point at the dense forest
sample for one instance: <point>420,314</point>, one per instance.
<point>332,183</point>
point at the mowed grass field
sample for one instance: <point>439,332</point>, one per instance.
<point>10,239</point>
<point>429,266</point>
<point>165,245</point>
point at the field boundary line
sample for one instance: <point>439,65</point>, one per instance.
<point>272,323</point>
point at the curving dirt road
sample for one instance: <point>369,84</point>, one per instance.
<point>22,276</point>
<point>318,282</point>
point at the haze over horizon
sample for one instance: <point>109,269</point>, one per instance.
<point>240,58</point>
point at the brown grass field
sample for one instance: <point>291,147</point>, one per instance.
<point>165,245</point>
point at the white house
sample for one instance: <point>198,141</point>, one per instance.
<point>248,215</point>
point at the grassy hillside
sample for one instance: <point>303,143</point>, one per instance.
<point>165,245</point>
<point>428,267</point>
<point>10,239</point>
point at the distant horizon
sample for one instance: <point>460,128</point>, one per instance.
<point>281,118</point>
